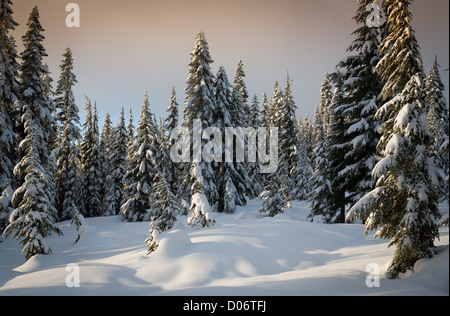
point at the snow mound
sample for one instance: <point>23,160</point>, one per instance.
<point>174,242</point>
<point>243,254</point>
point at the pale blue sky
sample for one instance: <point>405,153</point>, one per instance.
<point>123,49</point>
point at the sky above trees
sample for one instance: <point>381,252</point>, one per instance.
<point>121,51</point>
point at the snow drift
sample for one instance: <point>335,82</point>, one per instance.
<point>243,254</point>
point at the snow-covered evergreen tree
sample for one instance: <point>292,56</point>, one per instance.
<point>307,135</point>
<point>437,110</point>
<point>277,191</point>
<point>326,96</point>
<point>172,119</point>
<point>362,87</point>
<point>171,122</point>
<point>65,97</point>
<point>79,221</point>
<point>230,175</point>
<point>304,169</point>
<point>288,144</point>
<point>32,219</point>
<point>6,207</point>
<point>238,121</point>
<point>165,209</point>
<point>253,167</point>
<point>254,113</point>
<point>200,209</point>
<point>264,119</point>
<point>403,205</point>
<point>9,94</point>
<point>336,153</point>
<point>274,203</point>
<point>275,105</point>
<point>66,177</point>
<point>138,179</point>
<point>50,94</point>
<point>118,159</point>
<point>241,87</point>
<point>130,128</point>
<point>199,105</point>
<point>90,164</point>
<point>401,53</point>
<point>161,156</point>
<point>319,183</point>
<point>108,199</point>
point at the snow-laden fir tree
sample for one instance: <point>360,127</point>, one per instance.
<point>118,159</point>
<point>274,203</point>
<point>231,176</point>
<point>199,105</point>
<point>239,84</point>
<point>242,117</point>
<point>109,201</point>
<point>6,207</point>
<point>138,179</point>
<point>336,153</point>
<point>401,53</point>
<point>307,133</point>
<point>264,119</point>
<point>171,122</point>
<point>91,164</point>
<point>253,169</point>
<point>361,99</point>
<point>319,183</point>
<point>172,119</point>
<point>254,113</point>
<point>66,108</point>
<point>9,94</point>
<point>288,144</point>
<point>34,89</point>
<point>160,157</point>
<point>66,177</point>
<point>200,209</point>
<point>130,128</point>
<point>240,145</point>
<point>165,209</point>
<point>326,96</point>
<point>275,194</point>
<point>436,107</point>
<point>275,105</point>
<point>32,219</point>
<point>403,205</point>
<point>79,221</point>
<point>304,169</point>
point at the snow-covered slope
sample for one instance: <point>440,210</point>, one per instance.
<point>243,254</point>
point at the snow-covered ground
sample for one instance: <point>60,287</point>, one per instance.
<point>243,254</point>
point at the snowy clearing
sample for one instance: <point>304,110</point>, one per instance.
<point>243,254</point>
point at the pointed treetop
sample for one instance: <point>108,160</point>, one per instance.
<point>402,58</point>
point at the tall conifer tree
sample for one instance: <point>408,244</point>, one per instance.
<point>403,204</point>
<point>139,177</point>
<point>9,94</point>
<point>362,87</point>
<point>200,105</point>
<point>33,217</point>
<point>436,107</point>
<point>66,177</point>
<point>90,163</point>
